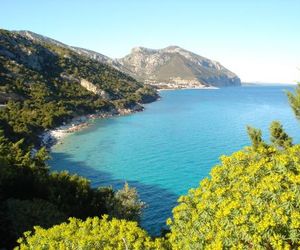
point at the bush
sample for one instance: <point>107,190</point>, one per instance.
<point>31,195</point>
<point>24,214</point>
<point>250,201</point>
<point>94,233</point>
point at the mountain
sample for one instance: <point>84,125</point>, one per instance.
<point>169,67</point>
<point>176,65</point>
<point>84,52</point>
<point>43,83</point>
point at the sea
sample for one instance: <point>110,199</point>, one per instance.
<point>173,144</point>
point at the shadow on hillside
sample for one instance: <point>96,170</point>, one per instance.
<point>160,201</point>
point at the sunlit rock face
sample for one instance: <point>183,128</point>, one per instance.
<point>175,65</point>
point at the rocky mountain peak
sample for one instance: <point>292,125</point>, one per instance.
<point>173,47</point>
<point>140,49</point>
<point>175,65</point>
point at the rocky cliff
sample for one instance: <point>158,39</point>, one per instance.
<point>178,66</point>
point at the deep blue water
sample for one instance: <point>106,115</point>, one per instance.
<point>173,144</point>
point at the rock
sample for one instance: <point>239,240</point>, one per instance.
<point>174,65</point>
<point>95,89</point>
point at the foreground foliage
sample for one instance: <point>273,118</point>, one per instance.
<point>94,233</point>
<point>251,200</point>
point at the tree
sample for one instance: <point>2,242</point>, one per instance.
<point>279,137</point>
<point>255,137</point>
<point>127,204</point>
<point>31,195</point>
<point>24,214</point>
<point>294,100</point>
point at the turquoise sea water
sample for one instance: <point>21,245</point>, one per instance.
<point>173,144</point>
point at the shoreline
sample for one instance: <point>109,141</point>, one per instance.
<point>196,88</point>
<point>56,135</point>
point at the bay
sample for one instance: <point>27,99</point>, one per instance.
<point>172,145</point>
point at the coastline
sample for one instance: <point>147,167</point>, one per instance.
<point>196,88</point>
<point>55,136</point>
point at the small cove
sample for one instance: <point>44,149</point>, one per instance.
<point>173,144</point>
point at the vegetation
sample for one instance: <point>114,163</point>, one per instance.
<point>40,87</point>
<point>40,83</point>
<point>255,136</point>
<point>129,205</point>
<point>294,100</point>
<point>21,215</point>
<point>251,200</point>
<point>31,195</point>
<point>279,137</point>
<point>94,233</point>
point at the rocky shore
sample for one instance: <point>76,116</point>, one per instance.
<point>184,88</point>
<point>51,137</point>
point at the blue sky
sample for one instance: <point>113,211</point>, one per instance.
<point>258,40</point>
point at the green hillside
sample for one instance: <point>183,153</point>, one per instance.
<point>40,84</point>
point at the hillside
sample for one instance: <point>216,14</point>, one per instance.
<point>81,51</point>
<point>44,83</point>
<point>172,67</point>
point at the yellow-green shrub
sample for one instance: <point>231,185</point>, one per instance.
<point>94,233</point>
<point>251,201</point>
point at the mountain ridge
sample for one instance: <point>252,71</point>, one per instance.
<point>171,67</point>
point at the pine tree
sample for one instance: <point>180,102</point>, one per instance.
<point>294,100</point>
<point>128,205</point>
<point>255,137</point>
<point>279,137</point>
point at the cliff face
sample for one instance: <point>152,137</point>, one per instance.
<point>178,66</point>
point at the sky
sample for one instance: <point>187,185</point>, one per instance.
<point>259,40</point>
